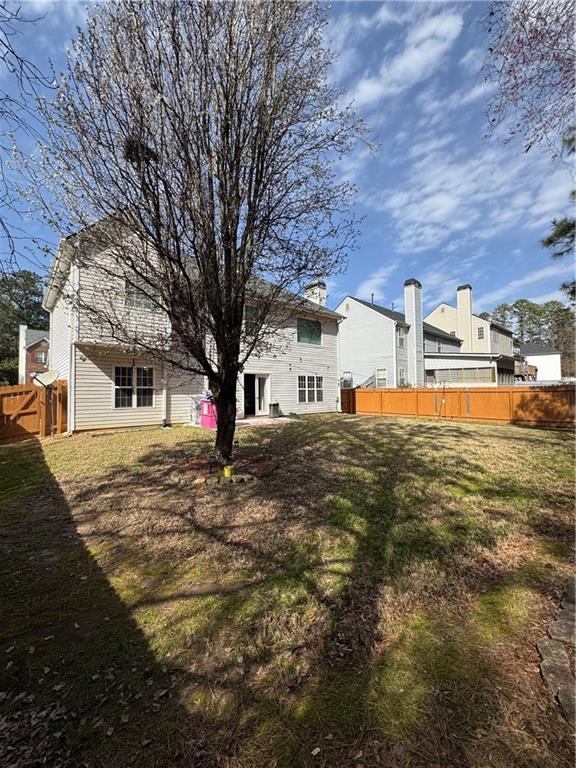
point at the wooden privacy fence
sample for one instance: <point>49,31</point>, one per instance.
<point>27,410</point>
<point>552,406</point>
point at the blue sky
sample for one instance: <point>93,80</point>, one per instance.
<point>440,201</point>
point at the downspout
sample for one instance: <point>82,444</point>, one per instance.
<point>74,337</point>
<point>339,403</point>
<point>164,398</point>
<point>394,361</point>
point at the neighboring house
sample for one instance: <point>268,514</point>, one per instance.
<point>548,361</point>
<point>111,386</point>
<point>383,348</point>
<point>491,341</point>
<point>32,353</point>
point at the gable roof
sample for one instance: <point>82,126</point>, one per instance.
<point>33,336</point>
<point>400,318</point>
<point>537,349</point>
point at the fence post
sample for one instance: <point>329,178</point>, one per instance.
<point>510,406</point>
<point>42,411</point>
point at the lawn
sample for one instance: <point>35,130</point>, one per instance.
<point>373,600</point>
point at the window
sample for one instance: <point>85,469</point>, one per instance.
<point>128,396</point>
<point>309,331</point>
<point>452,333</point>
<point>138,297</point>
<point>480,333</point>
<point>40,357</point>
<point>381,378</point>
<point>400,336</point>
<point>251,320</point>
<point>401,377</point>
<point>438,345</point>
<point>310,389</point>
<point>123,387</point>
<point>347,380</point>
<point>144,387</point>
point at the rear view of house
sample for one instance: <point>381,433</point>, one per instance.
<point>113,385</point>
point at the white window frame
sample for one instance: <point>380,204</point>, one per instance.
<point>480,333</point>
<point>134,386</point>
<point>401,377</point>
<point>307,343</point>
<point>317,388</point>
<point>136,297</point>
<point>378,378</point>
<point>400,337</point>
<point>438,345</point>
<point>44,357</point>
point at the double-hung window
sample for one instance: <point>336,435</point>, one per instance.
<point>133,387</point>
<point>400,336</point>
<point>480,333</point>
<point>401,377</point>
<point>139,296</point>
<point>310,389</point>
<point>308,331</point>
<point>381,378</point>
<point>40,357</point>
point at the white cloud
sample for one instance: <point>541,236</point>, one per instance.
<point>449,194</point>
<point>376,282</point>
<point>511,290</point>
<point>472,60</point>
<point>426,45</point>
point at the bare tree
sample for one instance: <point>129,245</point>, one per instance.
<point>20,80</point>
<point>531,60</point>
<point>202,136</point>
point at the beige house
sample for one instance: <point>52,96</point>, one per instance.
<point>113,386</point>
<point>477,334</point>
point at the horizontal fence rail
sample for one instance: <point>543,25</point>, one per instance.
<point>28,411</point>
<point>550,406</point>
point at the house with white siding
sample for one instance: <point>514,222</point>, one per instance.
<point>113,386</point>
<point>379,347</point>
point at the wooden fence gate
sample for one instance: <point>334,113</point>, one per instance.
<point>552,406</point>
<point>27,410</point>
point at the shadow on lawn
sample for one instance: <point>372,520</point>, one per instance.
<point>79,684</point>
<point>268,602</point>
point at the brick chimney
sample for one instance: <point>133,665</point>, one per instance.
<point>316,292</point>
<point>464,315</point>
<point>415,340</point>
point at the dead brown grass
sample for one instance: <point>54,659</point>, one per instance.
<point>377,597</point>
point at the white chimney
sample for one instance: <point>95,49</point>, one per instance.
<point>464,315</point>
<point>415,340</point>
<point>316,292</point>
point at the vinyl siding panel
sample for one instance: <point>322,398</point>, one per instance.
<point>94,393</point>
<point>62,322</point>
<point>102,288</point>
<point>366,342</point>
<point>431,344</point>
<point>289,359</point>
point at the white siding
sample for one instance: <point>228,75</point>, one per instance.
<point>291,359</point>
<point>446,345</point>
<point>103,288</point>
<point>94,393</point>
<point>62,322</point>
<point>366,342</point>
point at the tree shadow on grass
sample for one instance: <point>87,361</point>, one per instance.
<point>321,607</point>
<point>79,684</point>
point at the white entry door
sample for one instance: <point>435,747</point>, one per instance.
<point>261,395</point>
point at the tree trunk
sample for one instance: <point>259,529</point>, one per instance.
<point>225,400</point>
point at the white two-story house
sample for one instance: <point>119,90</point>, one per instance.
<point>111,385</point>
<point>383,348</point>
